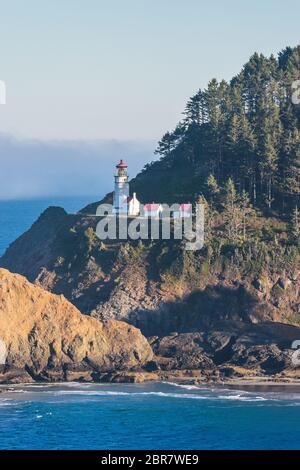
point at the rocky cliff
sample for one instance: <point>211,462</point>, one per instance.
<point>157,286</point>
<point>205,316</point>
<point>44,337</point>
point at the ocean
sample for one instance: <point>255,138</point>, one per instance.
<point>151,416</point>
<point>137,416</point>
<point>17,216</point>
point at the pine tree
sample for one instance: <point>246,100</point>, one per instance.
<point>268,168</point>
<point>247,212</point>
<point>232,212</point>
<point>166,145</point>
<point>291,171</point>
<point>213,189</point>
<point>195,111</point>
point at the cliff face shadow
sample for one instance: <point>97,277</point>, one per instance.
<point>200,310</point>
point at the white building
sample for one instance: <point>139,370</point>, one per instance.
<point>133,206</point>
<point>121,192</point>
<point>122,203</point>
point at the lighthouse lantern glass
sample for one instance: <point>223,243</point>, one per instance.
<point>122,171</point>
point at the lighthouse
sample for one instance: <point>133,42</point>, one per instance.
<point>121,192</point>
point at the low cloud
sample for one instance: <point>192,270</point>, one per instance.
<point>31,169</point>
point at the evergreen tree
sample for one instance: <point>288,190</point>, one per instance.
<point>232,212</point>
<point>170,141</point>
<point>247,212</point>
<point>268,168</point>
<point>247,130</point>
<point>291,170</point>
<point>195,111</point>
<point>166,145</point>
<point>213,188</point>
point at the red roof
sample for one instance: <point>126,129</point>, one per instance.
<point>152,207</point>
<point>186,207</point>
<point>122,164</point>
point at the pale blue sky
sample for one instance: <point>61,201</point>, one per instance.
<point>94,69</point>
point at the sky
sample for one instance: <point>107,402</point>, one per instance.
<point>119,71</point>
<point>33,169</point>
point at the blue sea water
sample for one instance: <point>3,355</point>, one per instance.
<point>18,216</point>
<point>151,416</point>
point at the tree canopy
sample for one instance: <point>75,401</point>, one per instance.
<point>247,130</point>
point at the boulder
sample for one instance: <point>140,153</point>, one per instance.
<point>46,336</point>
<point>182,351</point>
<point>284,283</point>
<point>268,357</point>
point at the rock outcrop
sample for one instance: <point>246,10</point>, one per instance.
<point>263,348</point>
<point>44,337</point>
<point>210,315</point>
<point>154,286</point>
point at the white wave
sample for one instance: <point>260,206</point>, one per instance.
<point>170,390</point>
<point>157,394</point>
<point>90,392</point>
<point>231,394</point>
<point>108,393</point>
<point>185,386</point>
<point>241,398</point>
<point>6,402</point>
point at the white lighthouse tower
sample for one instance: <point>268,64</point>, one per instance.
<point>121,193</point>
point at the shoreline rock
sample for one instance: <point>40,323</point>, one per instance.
<point>46,337</point>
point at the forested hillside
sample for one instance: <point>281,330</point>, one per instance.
<point>246,130</point>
